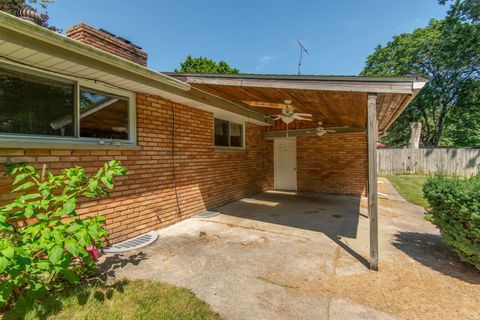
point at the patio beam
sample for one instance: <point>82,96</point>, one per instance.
<point>372,178</point>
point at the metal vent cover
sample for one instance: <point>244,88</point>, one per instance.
<point>133,244</point>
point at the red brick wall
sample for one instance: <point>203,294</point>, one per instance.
<point>145,199</point>
<point>336,163</point>
<point>104,41</point>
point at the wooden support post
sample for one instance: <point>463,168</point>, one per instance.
<point>372,179</point>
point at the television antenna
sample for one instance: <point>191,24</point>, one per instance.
<point>302,50</point>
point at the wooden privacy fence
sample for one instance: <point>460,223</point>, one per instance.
<point>451,161</point>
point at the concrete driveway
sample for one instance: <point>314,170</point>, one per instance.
<point>287,256</point>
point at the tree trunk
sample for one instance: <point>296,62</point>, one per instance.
<point>416,130</point>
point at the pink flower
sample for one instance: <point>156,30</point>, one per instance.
<point>93,251</point>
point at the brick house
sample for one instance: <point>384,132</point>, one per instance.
<point>190,142</point>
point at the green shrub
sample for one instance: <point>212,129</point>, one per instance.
<point>455,210</point>
<point>42,240</point>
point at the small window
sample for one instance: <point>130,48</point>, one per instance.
<point>29,105</point>
<point>103,116</point>
<point>228,134</point>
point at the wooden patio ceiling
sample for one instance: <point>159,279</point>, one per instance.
<point>335,101</point>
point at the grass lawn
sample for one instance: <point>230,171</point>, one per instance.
<point>410,187</point>
<point>139,299</point>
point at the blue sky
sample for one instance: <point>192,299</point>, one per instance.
<point>254,36</point>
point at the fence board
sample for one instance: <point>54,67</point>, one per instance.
<point>451,161</point>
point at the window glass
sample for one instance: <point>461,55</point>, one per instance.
<point>103,116</point>
<point>235,135</point>
<point>35,105</point>
<point>221,133</point>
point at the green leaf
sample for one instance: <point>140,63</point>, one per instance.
<point>100,219</point>
<point>46,193</point>
<point>3,264</point>
<point>93,185</point>
<point>29,212</point>
<point>8,252</point>
<point>55,254</point>
<point>42,216</point>
<point>43,265</point>
<point>74,228</point>
<point>94,231</point>
<point>6,289</point>
<point>69,205</point>
<point>24,186</point>
<point>19,177</point>
<point>72,246</point>
<point>29,196</point>
<point>83,238</point>
<point>107,182</point>
<point>70,276</point>
<point>6,226</point>
<point>37,290</point>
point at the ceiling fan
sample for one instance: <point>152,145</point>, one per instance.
<point>321,130</point>
<point>288,114</point>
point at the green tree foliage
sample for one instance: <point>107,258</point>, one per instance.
<point>466,10</point>
<point>455,210</point>
<point>205,65</point>
<point>43,242</point>
<point>447,54</point>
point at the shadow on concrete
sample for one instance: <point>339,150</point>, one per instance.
<point>334,216</point>
<point>107,268</point>
<point>429,250</point>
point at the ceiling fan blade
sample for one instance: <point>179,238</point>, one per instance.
<point>301,118</point>
<point>263,104</point>
<point>267,106</point>
<point>304,114</point>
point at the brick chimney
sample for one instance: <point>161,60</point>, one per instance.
<point>107,41</point>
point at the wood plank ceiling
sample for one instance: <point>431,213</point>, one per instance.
<point>333,108</point>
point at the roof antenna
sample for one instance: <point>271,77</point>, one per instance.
<point>302,49</point>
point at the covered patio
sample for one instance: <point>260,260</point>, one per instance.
<point>330,147</point>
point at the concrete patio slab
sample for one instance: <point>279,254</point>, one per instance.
<point>287,256</point>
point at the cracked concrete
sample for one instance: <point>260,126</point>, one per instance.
<point>284,256</point>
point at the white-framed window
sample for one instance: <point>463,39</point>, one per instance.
<point>228,134</point>
<point>41,107</point>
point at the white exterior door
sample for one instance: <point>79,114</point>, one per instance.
<point>285,163</point>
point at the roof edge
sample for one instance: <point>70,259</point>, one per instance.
<point>297,77</point>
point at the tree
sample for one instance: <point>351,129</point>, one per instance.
<point>12,7</point>
<point>466,10</point>
<point>205,65</point>
<point>446,53</point>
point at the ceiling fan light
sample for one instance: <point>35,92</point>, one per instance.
<point>287,120</point>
